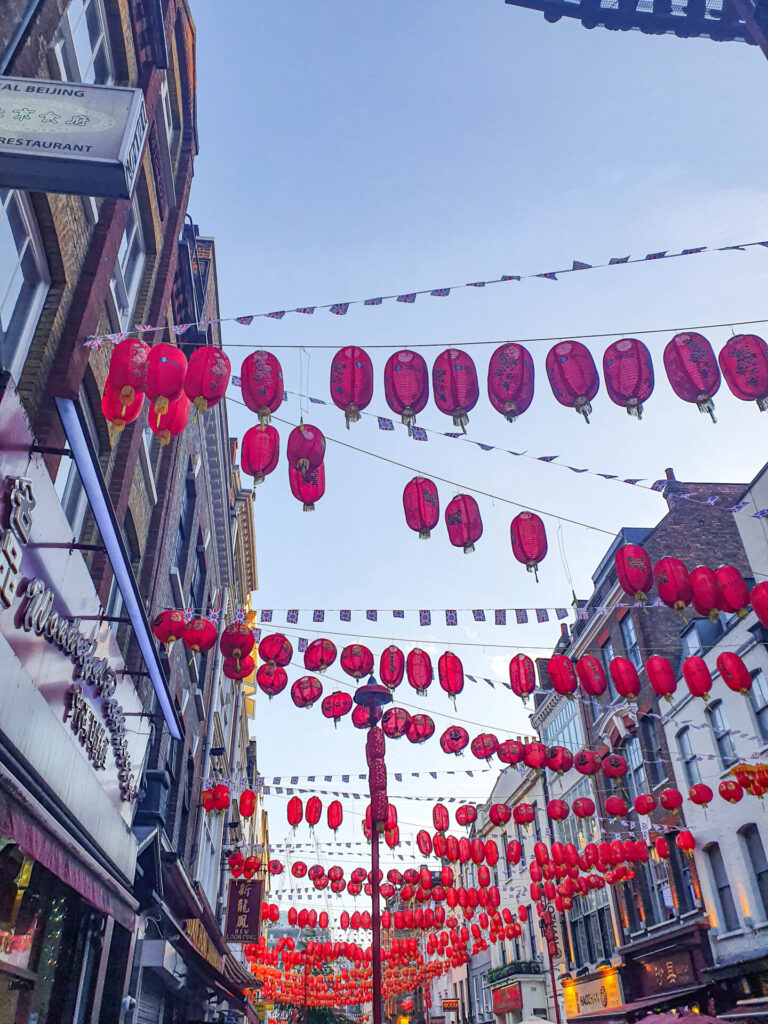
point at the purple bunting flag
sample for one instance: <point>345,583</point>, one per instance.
<point>617,259</point>
<point>398,613</point>
<point>451,617</point>
<point>372,615</point>
<point>318,615</point>
<point>407,297</point>
<point>440,292</point>
<point>302,644</point>
<point>578,265</point>
<point>292,616</point>
<point>345,615</point>
<point>385,424</point>
<point>425,618</point>
<point>266,615</point>
<point>510,277</point>
<point>419,434</point>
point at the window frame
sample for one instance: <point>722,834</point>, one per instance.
<point>721,888</point>
<point>22,335</point>
<point>747,833</point>
<point>125,295</point>
<point>632,648</point>
<point>65,58</point>
<point>721,733</point>
<point>756,711</point>
<point>689,760</point>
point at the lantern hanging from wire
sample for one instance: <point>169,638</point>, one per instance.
<point>759,600</point>
<point>661,676</point>
<point>735,592</point>
<point>628,374</point>
<point>200,636</point>
<point>319,655</point>
<point>635,571</point>
<point>391,667</point>
<point>336,705</point>
<point>207,377</point>
<point>614,766</point>
<point>510,380</point>
<point>685,842</point>
<point>236,641</point>
<point>586,762</point>
<point>562,675</point>
<point>421,504</point>
<point>365,718</point>
<point>454,739</point>
<point>313,812</point>
<point>500,814</point>
<point>625,678</point>
<point>295,811</point>
<point>420,728</point>
<point>700,794</point>
<point>734,672</point>
<point>238,668</point>
<point>454,385</point>
<point>463,522</point>
<point>535,755</point>
<point>510,752</point>
<point>351,381</point>
<point>357,661</point>
<point>484,746</point>
<point>529,541</point>
<point>406,385</point>
<point>559,759</point>
<point>306,448</point>
<point>271,679</point>
<point>523,814</point>
<point>395,723</point>
<point>261,384</point>
<point>671,799</point>
<point>276,649</point>
<point>169,626</point>
<point>583,807</point>
<point>731,791</point>
<point>522,676</point>
<point>306,691</point>
<point>418,666</point>
<point>573,376</point>
<point>309,487</point>
<point>697,677</point>
<point>335,816</point>
<point>128,370</point>
<point>450,672</point>
<point>616,806</point>
<point>673,583</point>
<point>707,593</point>
<point>171,423</point>
<point>692,370</point>
<point>591,676</point>
<point>115,411</point>
<point>259,452</point>
<point>166,368</point>
<point>744,362</point>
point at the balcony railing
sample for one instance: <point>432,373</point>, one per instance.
<point>499,975</point>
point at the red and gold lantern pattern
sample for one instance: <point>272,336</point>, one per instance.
<point>357,661</point>
<point>319,655</point>
<point>207,377</point>
<point>395,723</point>
<point>306,691</point>
<point>172,422</point>
<point>276,649</point>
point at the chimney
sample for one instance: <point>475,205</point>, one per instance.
<point>670,474</point>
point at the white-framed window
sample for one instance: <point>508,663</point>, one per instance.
<point>629,635</point>
<point>690,761</point>
<point>24,279</point>
<point>722,733</point>
<point>729,919</point>
<point>126,274</point>
<point>81,50</point>
<point>636,779</point>
<point>758,698</point>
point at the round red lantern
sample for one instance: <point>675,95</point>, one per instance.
<point>450,672</point>
<point>744,362</point>
<point>169,626</point>
<point>661,845</point>
<point>734,672</point>
<point>309,487</point>
<point>319,655</point>
<point>510,380</point>
<point>500,814</point>
<point>522,675</point>
<point>661,676</point>
<point>591,676</point>
<point>365,718</point>
<point>351,381</point>
<point>735,592</point>
<point>692,370</point>
<point>238,668</point>
<point>523,814</point>
<point>128,370</point>
<point>259,452</point>
<point>535,755</point>
<point>440,818</point>
<point>644,803</point>
<point>261,383</point>
<point>559,759</point>
<point>276,649</point>
<point>115,411</point>
<point>573,376</point>
<point>419,668</point>
<point>275,867</point>
<point>529,541</point>
<point>336,705</point>
<point>236,641</point>
<point>510,752</point>
<point>700,794</point>
<point>463,522</point>
<point>759,601</point>
<point>306,448</point>
<point>614,766</point>
<point>616,806</point>
<point>421,504</point>
<point>166,368</point>
<point>583,807</point>
<point>625,678</point>
<point>172,422</point>
<point>454,739</point>
<point>454,385</point>
<point>306,691</point>
<point>335,818</point>
<point>395,723</point>
<point>586,762</point>
<point>466,814</point>
<point>671,799</point>
<point>406,385</point>
<point>628,374</point>
<point>558,810</point>
<point>673,583</point>
<point>484,746</point>
<point>697,677</point>
<point>562,675</point>
<point>357,661</point>
<point>685,841</point>
<point>295,811</point>
<point>199,636</point>
<point>271,679</point>
<point>633,567</point>
<point>730,790</point>
<point>420,728</point>
<point>207,377</point>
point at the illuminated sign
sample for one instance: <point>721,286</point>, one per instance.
<point>508,998</point>
<point>591,995</point>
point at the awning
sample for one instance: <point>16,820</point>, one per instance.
<point>660,999</point>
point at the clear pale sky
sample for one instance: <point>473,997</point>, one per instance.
<point>350,150</point>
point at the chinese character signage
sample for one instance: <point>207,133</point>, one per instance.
<point>243,911</point>
<point>672,971</point>
<point>508,998</point>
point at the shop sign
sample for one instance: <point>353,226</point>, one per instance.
<point>195,931</point>
<point>450,1005</point>
<point>508,998</point>
<point>69,137</point>
<point>592,995</point>
<point>243,911</point>
<point>671,971</point>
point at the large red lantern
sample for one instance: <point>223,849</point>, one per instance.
<point>336,705</point>
<point>591,676</point>
<point>451,674</point>
<point>421,504</point>
<point>735,592</point>
<point>314,811</point>
<point>166,369</point>
<point>271,679</point>
<point>335,817</point>
<point>207,377</point>
<point>673,583</point>
<point>419,668</point>
<point>522,675</point>
<point>692,370</point>
<point>730,790</point>
<point>365,718</point>
<point>484,746</point>
<point>661,676</point>
<point>309,487</point>
<point>697,677</point>
<point>115,411</point>
<point>562,675</point>
<point>500,814</point>
<point>744,362</point>
<point>633,567</point>
<point>529,541</point>
<point>707,592</point>
<point>671,799</point>
<point>357,661</point>
<point>535,755</point>
<point>351,381</point>
<point>259,452</point>
<point>558,810</point>
<point>236,641</point>
<point>276,649</point>
<point>200,636</point>
<point>306,691</point>
<point>406,385</point>
<point>625,678</point>
<point>466,814</point>
<point>454,739</point>
<point>616,806</point>
<point>573,376</point>
<point>128,370</point>
<point>644,803</point>
<point>169,626</point>
<point>261,383</point>
<point>420,728</point>
<point>614,766</point>
<point>700,794</point>
<point>523,814</point>
<point>759,601</point>
<point>391,667</point>
<point>172,422</point>
<point>510,380</point>
<point>454,385</point>
<point>319,655</point>
<point>395,723</point>
<point>306,448</point>
<point>295,811</point>
<point>463,522</point>
<point>734,672</point>
<point>628,374</point>
<point>440,818</point>
<point>238,668</point>
<point>559,759</point>
<point>583,807</point>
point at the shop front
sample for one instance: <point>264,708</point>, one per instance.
<point>598,994</point>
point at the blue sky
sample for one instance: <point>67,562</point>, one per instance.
<point>350,150</point>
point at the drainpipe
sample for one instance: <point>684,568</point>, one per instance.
<point>17,39</point>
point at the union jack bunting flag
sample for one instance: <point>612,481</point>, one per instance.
<point>440,293</point>
<point>257,634</point>
<point>542,615</point>
<point>425,618</point>
<point>712,499</point>
<point>549,277</point>
<point>189,614</point>
<point>485,447</point>
<point>372,615</point>
<point>93,342</point>
<point>761,514</point>
<point>658,485</point>
<point>656,255</point>
<point>318,401</point>
<point>633,480</point>
<point>277,315</point>
<point>510,277</point>
<point>306,309</point>
<point>561,613</point>
<point>450,434</point>
<point>318,615</point>
<point>385,424</point>
<point>407,297</point>
<point>373,302</point>
<point>548,458</point>
<point>737,507</point>
<point>143,327</point>
<point>292,616</point>
<point>701,248</point>
<point>617,259</point>
<point>398,613</point>
<point>521,615</point>
<point>302,644</point>
<point>476,284</point>
<point>478,614</point>
<point>578,265</point>
<point>266,615</point>
<point>246,321</point>
<point>240,615</point>
<point>340,308</point>
<point>180,328</point>
<point>345,615</point>
<point>235,381</point>
<point>213,615</point>
<point>500,617</point>
<point>451,617</point>
<point>419,434</point>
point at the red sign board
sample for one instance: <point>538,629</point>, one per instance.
<point>508,998</point>
<point>243,911</point>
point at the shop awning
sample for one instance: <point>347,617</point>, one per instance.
<point>619,1013</point>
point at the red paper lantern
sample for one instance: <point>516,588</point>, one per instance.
<point>562,675</point>
<point>238,668</point>
<point>692,370</point>
<point>351,382</point>
<point>454,739</point>
<point>510,380</point>
<point>199,636</point>
<point>559,759</point>
<point>169,626</point>
<point>309,487</point>
<point>335,818</point>
<point>451,674</point>
<point>535,755</point>
<point>391,667</point>
<point>419,668</point>
<point>319,655</point>
<point>357,661</point>
<point>644,803</point>
<point>275,867</point>
<point>759,601</point>
<point>661,676</point>
<point>583,807</point>
<point>440,818</point>
<point>313,813</point>
<point>730,790</point>
<point>128,370</point>
<point>306,691</point>
<point>628,374</point>
<point>700,794</point>
<point>573,376</point>
<point>276,649</point>
<point>295,811</point>
<point>420,728</point>
<point>484,746</point>
<point>421,504</point>
<point>673,583</point>
<point>707,592</point>
<point>685,841</point>
<point>514,851</point>
<point>633,567</point>
<point>558,810</point>
<point>466,814</point>
<point>260,452</point>
<point>625,678</point>
<point>454,385</point>
<point>395,723</point>
<point>529,541</point>
<point>614,766</point>
<point>616,806</point>
<point>261,383</point>
<point>236,641</point>
<point>500,814</point>
<point>406,385</point>
<point>207,377</point>
<point>671,799</point>
<point>271,679</point>
<point>522,675</point>
<point>306,448</point>
<point>115,411</point>
<point>336,705</point>
<point>591,676</point>
<point>523,814</point>
<point>365,718</point>
<point>586,762</point>
<point>697,677</point>
<point>744,362</point>
<point>734,672</point>
<point>171,423</point>
<point>166,368</point>
<point>735,592</point>
<point>463,522</point>
<point>661,846</point>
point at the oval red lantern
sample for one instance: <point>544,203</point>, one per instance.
<point>735,592</point>
<point>614,766</point>
<point>259,452</point>
<point>535,755</point>
<point>454,739</point>
<point>707,593</point>
<point>661,846</point>
<point>406,385</point>
<point>336,705</point>
<point>276,649</point>
<point>633,567</point>
<point>644,803</point>
<point>421,504</point>
<point>169,626</point>
<point>559,759</point>
<point>351,381</point>
<point>424,842</point>
<point>395,723</point>
<point>573,376</point>
<point>625,678</point>
<point>199,636</point>
<point>591,676</point>
<point>172,422</point>
<point>744,362</point>
<point>697,677</point>
<point>261,384</point>
<point>734,672</point>
<point>700,794</point>
<point>616,806</point>
<point>523,814</point>
<point>500,814</point>
<point>357,661</point>
<point>759,601</point>
<point>271,679</point>
<point>465,815</point>
<point>586,762</point>
<point>236,641</point>
<point>529,541</point>
<point>558,810</point>
<point>510,752</point>
<point>440,818</point>
<point>685,841</point>
<point>454,385</point>
<point>115,411</point>
<point>418,666</point>
<point>730,790</point>
<point>391,667</point>
<point>247,803</point>
<point>463,522</point>
<point>450,672</point>
<point>207,377</point>
<point>522,675</point>
<point>420,728</point>
<point>477,847</point>
<point>514,851</point>
<point>335,818</point>
<point>295,811</point>
<point>306,691</point>
<point>309,487</point>
<point>562,675</point>
<point>692,370</point>
<point>319,655</point>
<point>661,676</point>
<point>238,668</point>
<point>673,583</point>
<point>306,448</point>
<point>484,746</point>
<point>628,374</point>
<point>511,380</point>
<point>671,799</point>
<point>584,807</point>
<point>128,370</point>
<point>313,813</point>
<point>166,368</point>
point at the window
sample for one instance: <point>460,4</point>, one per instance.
<point>68,484</point>
<point>591,929</point>
<point>701,635</point>
<point>629,635</point>
<point>184,528</point>
<point>680,867</point>
<point>655,761</point>
<point>756,853</point>
<point>520,836</point>
<point>723,739</point>
<point>126,274</point>
<point>197,586</point>
<point>608,655</point>
<point>730,919</point>
<point>563,728</point>
<point>636,779</point>
<point>24,279</point>
<point>690,762</point>
<point>578,831</point>
<point>81,50</point>
<point>758,698</point>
